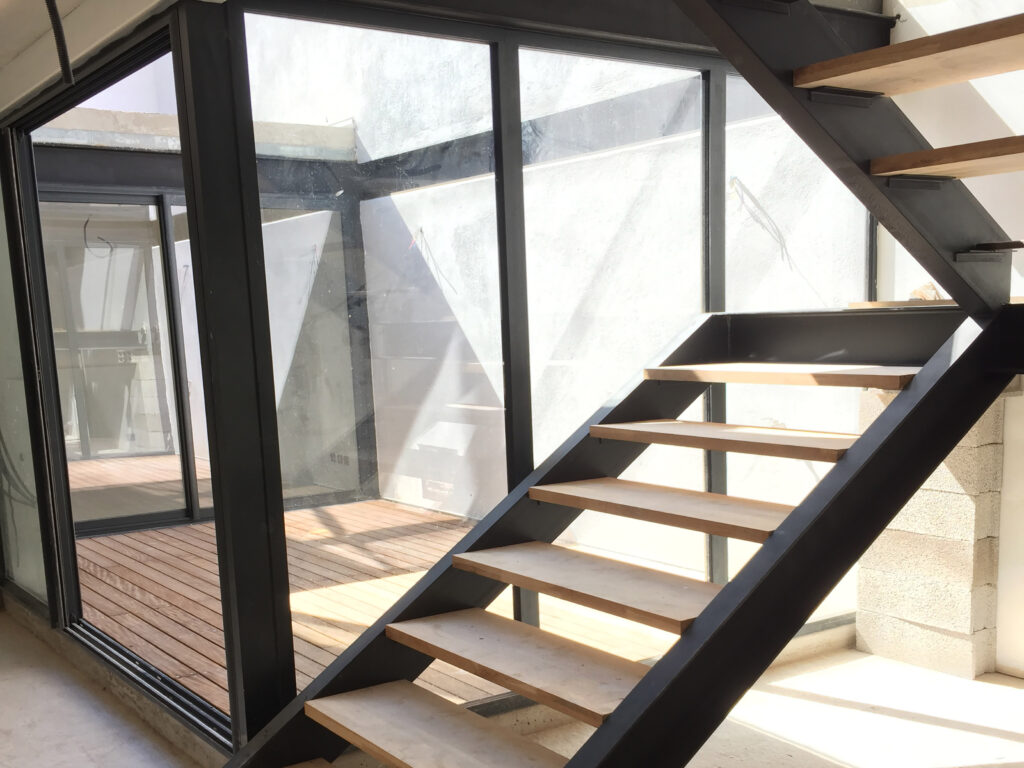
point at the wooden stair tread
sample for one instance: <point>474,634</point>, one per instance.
<point>405,725</point>
<point>878,376</point>
<point>651,597</point>
<point>951,57</point>
<point>763,441</point>
<point>711,513</point>
<point>981,158</point>
<point>318,763</point>
<point>576,679</point>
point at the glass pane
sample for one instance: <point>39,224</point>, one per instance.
<point>901,277</point>
<point>613,155</point>
<point>613,192</point>
<point>379,228</point>
<point>112,338</point>
<point>19,511</point>
<point>796,238</point>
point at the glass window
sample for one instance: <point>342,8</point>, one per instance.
<point>19,511</point>
<point>193,370</point>
<point>613,187</point>
<point>376,163</point>
<point>796,238</point>
<point>613,180</point>
<point>123,313</point>
<point>112,338</point>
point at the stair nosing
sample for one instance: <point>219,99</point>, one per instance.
<point>731,442</point>
<point>412,694</point>
<point>907,54</point>
<point>887,377</point>
<point>704,522</point>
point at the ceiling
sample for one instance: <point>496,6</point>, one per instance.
<point>22,22</point>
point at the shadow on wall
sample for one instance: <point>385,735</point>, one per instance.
<point>435,346</point>
<point>313,367</point>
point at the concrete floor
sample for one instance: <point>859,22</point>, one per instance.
<point>51,715</point>
<point>842,709</point>
<point>853,710</point>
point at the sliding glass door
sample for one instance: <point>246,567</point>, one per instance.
<point>105,270</point>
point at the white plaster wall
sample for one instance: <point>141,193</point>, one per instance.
<point>435,345</point>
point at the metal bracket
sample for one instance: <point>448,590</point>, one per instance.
<point>981,257</point>
<point>995,253</point>
<point>774,6</point>
<point>843,97</point>
<point>933,183</point>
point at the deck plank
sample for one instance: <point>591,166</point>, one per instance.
<point>347,565</point>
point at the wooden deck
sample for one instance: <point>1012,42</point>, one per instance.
<point>111,487</point>
<point>157,592</point>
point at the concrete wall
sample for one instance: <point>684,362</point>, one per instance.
<point>928,585</point>
<point>1010,576</point>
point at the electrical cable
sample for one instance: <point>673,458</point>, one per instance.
<point>62,46</point>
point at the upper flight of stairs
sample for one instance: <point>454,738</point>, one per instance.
<point>982,50</point>
<point>991,48</point>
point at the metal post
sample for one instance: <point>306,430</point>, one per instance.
<point>179,367</point>
<point>715,466</point>
<point>219,157</point>
<point>515,324</point>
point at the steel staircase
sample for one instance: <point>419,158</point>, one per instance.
<point>949,364</point>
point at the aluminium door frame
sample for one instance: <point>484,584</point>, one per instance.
<point>158,199</point>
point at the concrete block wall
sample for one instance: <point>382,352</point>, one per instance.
<point>927,587</point>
